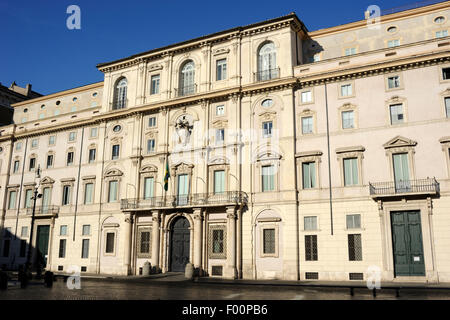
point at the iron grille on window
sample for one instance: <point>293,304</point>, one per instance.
<point>311,248</point>
<point>356,276</point>
<point>217,270</point>
<point>312,276</point>
<point>269,241</point>
<point>144,243</point>
<point>217,242</point>
<point>354,247</point>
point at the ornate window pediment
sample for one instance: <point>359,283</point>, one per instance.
<point>396,99</point>
<point>220,124</point>
<point>268,115</point>
<point>399,142</point>
<point>269,156</point>
<point>218,161</point>
<point>350,149</point>
<point>113,173</point>
<point>47,180</point>
<point>148,169</point>
<point>155,67</point>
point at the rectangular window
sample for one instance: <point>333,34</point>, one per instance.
<point>441,34</point>
<point>346,90</point>
<point>446,73</point>
<point>149,183</point>
<point>66,196</point>
<point>16,166</point>
<point>311,253</point>
<point>155,84</point>
<point>354,247</point>
<point>49,161</point>
<point>86,230</point>
<point>51,140</point>
<point>24,232</point>
<point>219,182</point>
<point>152,122</point>
<point>350,51</point>
<point>310,223</point>
<point>72,136</point>
<point>63,230</point>
<point>151,145</point>
<point>85,249</point>
<point>18,146</point>
<point>218,238</point>
<point>110,238</point>
<point>32,163</point>
<point>6,245</point>
<point>221,69</point>
<point>267,129</point>
<point>62,248</point>
<point>394,82</point>
<point>307,125</point>
<point>34,143</point>
<point>70,158</point>
<point>88,193</point>
<point>220,136</point>
<point>447,107</point>
<point>397,116</point>
<point>93,133</point>
<point>23,248</point>
<point>144,247</point>
<point>220,110</point>
<point>115,152</point>
<point>92,155</point>
<point>393,43</point>
<point>348,120</point>
<point>353,221</point>
<point>112,195</point>
<point>12,200</point>
<point>268,179</point>
<point>351,172</point>
<point>269,241</point>
<point>306,96</point>
<point>28,196</point>
<point>309,175</point>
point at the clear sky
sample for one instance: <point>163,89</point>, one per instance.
<point>37,47</point>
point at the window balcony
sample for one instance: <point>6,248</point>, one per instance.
<point>185,91</point>
<point>44,211</point>
<point>428,186</point>
<point>186,201</point>
<point>266,75</point>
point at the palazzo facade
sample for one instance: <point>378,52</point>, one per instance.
<point>220,151</point>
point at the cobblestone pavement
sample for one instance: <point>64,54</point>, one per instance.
<point>150,289</point>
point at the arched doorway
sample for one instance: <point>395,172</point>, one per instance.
<point>179,245</point>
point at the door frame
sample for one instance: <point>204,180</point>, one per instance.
<point>38,223</point>
<point>168,239</point>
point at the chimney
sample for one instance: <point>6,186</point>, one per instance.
<point>28,89</point>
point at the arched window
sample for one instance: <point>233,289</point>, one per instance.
<point>120,94</point>
<point>187,78</point>
<point>267,62</point>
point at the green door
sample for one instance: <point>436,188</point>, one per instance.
<point>407,244</point>
<point>43,233</point>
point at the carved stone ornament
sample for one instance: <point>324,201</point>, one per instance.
<point>184,130</point>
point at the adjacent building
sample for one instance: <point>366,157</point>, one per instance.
<point>10,95</point>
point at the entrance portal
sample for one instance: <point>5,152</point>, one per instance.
<point>179,245</point>
<point>43,233</point>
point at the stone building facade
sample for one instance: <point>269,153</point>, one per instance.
<point>249,127</point>
<point>10,95</point>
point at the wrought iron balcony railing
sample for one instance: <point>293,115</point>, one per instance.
<point>193,200</point>
<point>266,75</point>
<point>44,210</point>
<point>186,90</point>
<point>389,189</point>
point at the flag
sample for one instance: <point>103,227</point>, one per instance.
<point>167,176</point>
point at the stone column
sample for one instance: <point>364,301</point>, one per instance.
<point>127,237</point>
<point>198,219</point>
<point>231,243</point>
<point>155,240</point>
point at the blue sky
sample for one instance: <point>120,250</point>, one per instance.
<point>37,48</point>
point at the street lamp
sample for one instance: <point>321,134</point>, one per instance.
<point>36,195</point>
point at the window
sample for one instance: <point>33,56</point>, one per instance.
<point>85,249</point>
<point>88,193</point>
<point>306,96</point>
<point>34,143</point>
<point>267,129</point>
<point>446,73</point>
<point>268,179</point>
<point>149,183</point>
<point>221,73</point>
<point>220,110</point>
<point>115,152</point>
<point>63,230</point>
<point>220,136</point>
<point>150,145</point>
<point>267,103</point>
<point>62,248</point>
<point>32,163</point>
<point>12,200</point>
<point>120,94</point>
<point>117,128</point>
<point>19,144</point>
<point>354,247</point>
<point>394,82</point>
<point>16,166</point>
<point>110,238</point>
<point>152,122</point>
<point>70,158</point>
<point>72,136</point>
<point>269,241</point>
<point>219,181</point>
<point>353,221</point>
<point>350,51</point>
<point>51,140</point>
<point>309,175</point>
<point>28,196</point>
<point>447,107</point>
<point>93,133</point>
<point>393,43</point>
<point>310,223</point>
<point>439,20</point>
<point>49,161</point>
<point>397,116</point>
<point>441,34</point>
<point>144,242</point>
<point>86,230</point>
<point>311,248</point>
<point>218,239</point>
<point>307,125</point>
<point>66,196</point>
<point>350,172</point>
<point>23,248</point>
<point>348,120</point>
<point>92,154</point>
<point>24,232</point>
<point>113,188</point>
<point>392,29</point>
<point>187,79</point>
<point>267,62</point>
<point>346,90</point>
<point>154,86</point>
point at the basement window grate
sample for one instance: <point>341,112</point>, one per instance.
<point>312,276</point>
<point>356,276</point>
<point>83,269</point>
<point>60,268</point>
<point>217,270</point>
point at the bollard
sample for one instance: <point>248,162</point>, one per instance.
<point>146,269</point>
<point>3,280</point>
<point>23,279</point>
<point>374,292</point>
<point>48,279</point>
<point>189,271</point>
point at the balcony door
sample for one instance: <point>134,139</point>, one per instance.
<point>183,189</point>
<point>401,173</point>
<point>43,234</point>
<point>187,78</point>
<point>45,200</point>
<point>267,61</point>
